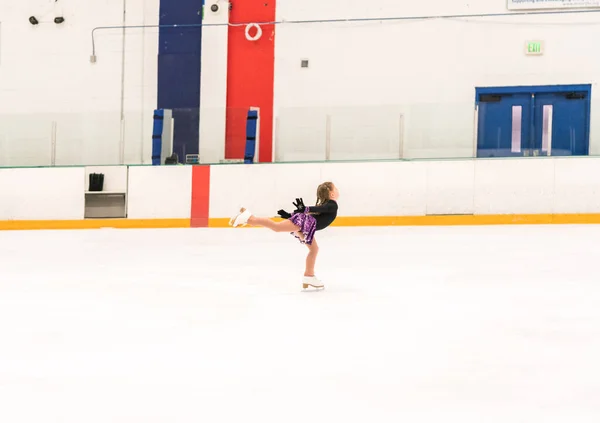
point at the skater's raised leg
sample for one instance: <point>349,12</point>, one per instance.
<point>265,222</point>
<point>245,217</point>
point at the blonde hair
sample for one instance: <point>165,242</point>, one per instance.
<point>323,192</point>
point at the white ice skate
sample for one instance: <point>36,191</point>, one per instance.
<point>312,281</point>
<point>241,218</point>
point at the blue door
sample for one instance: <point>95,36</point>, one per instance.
<point>561,124</point>
<point>533,121</point>
<point>504,125</point>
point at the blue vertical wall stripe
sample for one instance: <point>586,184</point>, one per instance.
<point>157,130</point>
<point>179,54</point>
<point>251,132</point>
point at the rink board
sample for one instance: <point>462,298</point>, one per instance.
<point>394,193</point>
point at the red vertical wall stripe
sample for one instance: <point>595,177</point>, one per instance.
<point>200,196</point>
<point>250,77</point>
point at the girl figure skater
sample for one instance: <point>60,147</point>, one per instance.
<point>303,224</point>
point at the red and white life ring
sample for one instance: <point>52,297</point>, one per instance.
<point>256,36</point>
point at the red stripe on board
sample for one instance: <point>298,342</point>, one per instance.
<point>250,77</point>
<point>200,196</point>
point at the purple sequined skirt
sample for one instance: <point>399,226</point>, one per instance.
<point>308,226</point>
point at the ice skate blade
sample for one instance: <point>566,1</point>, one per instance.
<point>306,286</point>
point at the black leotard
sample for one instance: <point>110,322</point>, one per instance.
<point>325,214</point>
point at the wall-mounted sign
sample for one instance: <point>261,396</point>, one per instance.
<point>534,48</point>
<point>551,4</point>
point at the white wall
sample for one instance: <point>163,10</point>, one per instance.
<point>46,79</point>
<point>213,83</point>
<point>141,80</point>
<point>365,75</point>
<point>389,88</point>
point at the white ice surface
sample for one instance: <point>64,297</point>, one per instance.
<point>463,324</point>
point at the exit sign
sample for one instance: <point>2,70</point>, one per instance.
<point>534,48</point>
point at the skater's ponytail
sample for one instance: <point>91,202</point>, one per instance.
<point>323,192</point>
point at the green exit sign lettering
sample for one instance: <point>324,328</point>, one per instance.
<point>534,48</point>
